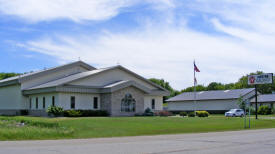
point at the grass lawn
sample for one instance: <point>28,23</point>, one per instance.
<point>94,127</point>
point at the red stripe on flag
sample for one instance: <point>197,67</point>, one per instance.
<point>196,68</point>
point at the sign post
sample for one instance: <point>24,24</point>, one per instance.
<point>249,116</point>
<point>256,102</point>
<point>257,80</point>
<point>245,117</point>
<point>247,103</point>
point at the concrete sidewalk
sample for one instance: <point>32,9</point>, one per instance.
<point>248,141</point>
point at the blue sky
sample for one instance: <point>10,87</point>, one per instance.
<point>155,38</point>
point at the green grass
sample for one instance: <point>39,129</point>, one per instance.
<point>63,128</point>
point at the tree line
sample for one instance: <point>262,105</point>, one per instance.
<point>7,75</point>
<point>240,84</point>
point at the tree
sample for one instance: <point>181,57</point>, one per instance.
<point>241,103</point>
<point>191,89</point>
<point>166,86</point>
<point>215,86</point>
<point>7,75</point>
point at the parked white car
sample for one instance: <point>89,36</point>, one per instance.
<point>234,113</point>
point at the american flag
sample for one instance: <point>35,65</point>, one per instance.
<point>195,80</point>
<point>196,68</point>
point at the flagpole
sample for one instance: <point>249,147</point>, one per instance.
<point>195,97</point>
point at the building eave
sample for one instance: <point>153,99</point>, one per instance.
<point>8,83</point>
<point>38,91</point>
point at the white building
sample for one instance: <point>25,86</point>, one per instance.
<point>78,85</point>
<point>265,99</point>
<point>212,101</point>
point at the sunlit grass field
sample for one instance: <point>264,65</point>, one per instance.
<point>11,128</point>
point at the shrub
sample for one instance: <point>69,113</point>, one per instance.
<point>252,110</point>
<point>202,113</point>
<point>183,114</point>
<point>264,110</point>
<point>148,112</point>
<point>164,113</point>
<point>24,112</point>
<point>94,113</point>
<point>55,110</point>
<point>191,114</point>
<point>72,113</point>
<point>86,113</point>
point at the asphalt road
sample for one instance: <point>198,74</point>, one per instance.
<point>250,142</point>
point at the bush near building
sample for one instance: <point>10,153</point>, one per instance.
<point>191,114</point>
<point>85,113</point>
<point>264,110</point>
<point>183,114</point>
<point>72,113</point>
<point>202,113</point>
<point>163,113</point>
<point>148,112</point>
<point>55,111</point>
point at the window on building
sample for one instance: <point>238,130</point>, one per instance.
<point>30,103</point>
<point>44,102</point>
<point>72,102</point>
<point>36,103</point>
<point>128,104</point>
<point>53,101</point>
<point>153,104</point>
<point>95,102</point>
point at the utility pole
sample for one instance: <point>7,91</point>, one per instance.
<point>195,92</point>
<point>256,102</point>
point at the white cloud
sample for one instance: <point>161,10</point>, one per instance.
<point>168,54</point>
<point>76,10</point>
<point>164,50</point>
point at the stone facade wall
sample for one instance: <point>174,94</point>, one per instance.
<point>117,96</point>
<point>106,102</point>
<point>112,102</point>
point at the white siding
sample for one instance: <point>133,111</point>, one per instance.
<point>48,100</point>
<point>51,76</point>
<point>203,105</point>
<point>82,101</point>
<point>11,98</point>
<point>158,102</point>
<point>110,77</point>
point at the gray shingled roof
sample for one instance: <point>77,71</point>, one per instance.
<point>68,79</point>
<point>265,98</point>
<point>115,83</point>
<point>211,95</point>
<point>45,70</point>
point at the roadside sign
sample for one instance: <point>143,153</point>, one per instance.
<point>257,80</point>
<point>260,79</point>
